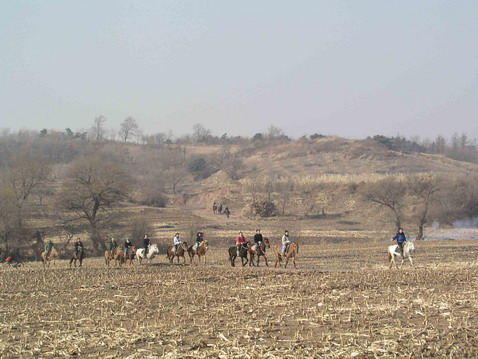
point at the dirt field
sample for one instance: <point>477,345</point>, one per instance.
<point>342,301</point>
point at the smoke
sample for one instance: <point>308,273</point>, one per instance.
<point>466,223</point>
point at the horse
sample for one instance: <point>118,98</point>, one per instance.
<point>130,255</point>
<point>183,247</point>
<point>200,251</point>
<point>153,250</point>
<point>242,254</point>
<point>77,257</point>
<point>260,253</point>
<point>117,255</point>
<point>50,257</point>
<point>292,251</point>
<point>408,250</point>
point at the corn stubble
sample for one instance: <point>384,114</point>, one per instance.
<point>341,302</point>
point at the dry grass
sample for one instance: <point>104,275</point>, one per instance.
<point>341,302</point>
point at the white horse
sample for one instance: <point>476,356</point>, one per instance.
<point>152,252</point>
<point>394,251</point>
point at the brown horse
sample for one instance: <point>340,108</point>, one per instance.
<point>131,254</point>
<point>117,255</point>
<point>183,248</point>
<point>261,252</point>
<point>77,257</point>
<point>291,253</point>
<point>200,251</point>
<point>50,257</point>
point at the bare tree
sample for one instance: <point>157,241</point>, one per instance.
<point>285,189</point>
<point>91,187</point>
<point>129,128</point>
<point>388,193</point>
<point>8,218</point>
<point>98,129</point>
<point>174,176</point>
<point>24,175</point>
<point>200,133</point>
<point>422,189</point>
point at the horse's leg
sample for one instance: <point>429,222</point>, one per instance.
<point>258,257</point>
<point>71,261</point>
<point>265,258</point>
<point>293,261</point>
<point>286,261</point>
<point>411,261</point>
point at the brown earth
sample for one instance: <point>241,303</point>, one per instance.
<point>342,301</point>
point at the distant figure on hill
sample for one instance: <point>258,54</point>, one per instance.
<point>219,208</point>
<point>214,208</point>
<point>227,212</point>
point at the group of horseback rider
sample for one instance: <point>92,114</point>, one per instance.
<point>78,247</point>
<point>128,244</point>
<point>258,238</point>
<point>240,242</point>
<point>217,209</point>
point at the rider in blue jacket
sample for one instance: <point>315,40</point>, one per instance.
<point>401,239</point>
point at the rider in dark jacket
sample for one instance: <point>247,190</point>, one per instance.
<point>78,246</point>
<point>146,242</point>
<point>401,239</point>
<point>199,239</point>
<point>258,239</point>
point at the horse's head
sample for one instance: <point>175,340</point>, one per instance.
<point>266,242</point>
<point>411,247</point>
<point>184,245</point>
<point>205,244</point>
<point>153,248</point>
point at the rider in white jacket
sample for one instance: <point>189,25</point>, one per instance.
<point>285,242</point>
<point>177,242</point>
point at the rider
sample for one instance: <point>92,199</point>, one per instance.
<point>258,239</point>
<point>199,239</point>
<point>401,239</point>
<point>146,242</point>
<point>127,244</point>
<point>48,248</point>
<point>113,245</point>
<point>177,242</point>
<point>285,242</point>
<point>78,246</point>
<point>240,241</point>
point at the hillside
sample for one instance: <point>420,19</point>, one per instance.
<point>316,186</point>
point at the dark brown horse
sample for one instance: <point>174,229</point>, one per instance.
<point>261,252</point>
<point>291,253</point>
<point>200,251</point>
<point>242,254</point>
<point>183,248</point>
<point>131,254</point>
<point>77,257</point>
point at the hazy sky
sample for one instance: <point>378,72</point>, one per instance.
<point>350,68</point>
